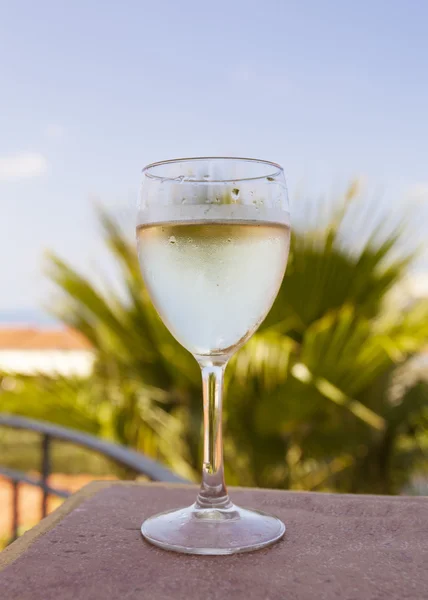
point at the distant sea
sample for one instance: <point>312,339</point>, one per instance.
<point>26,317</point>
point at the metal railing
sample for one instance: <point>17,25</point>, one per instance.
<point>121,455</point>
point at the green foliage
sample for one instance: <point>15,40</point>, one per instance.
<point>310,399</point>
<point>311,393</point>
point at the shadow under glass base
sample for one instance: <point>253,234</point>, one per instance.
<point>195,530</point>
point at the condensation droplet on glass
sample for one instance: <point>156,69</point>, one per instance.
<point>172,239</point>
<point>235,194</point>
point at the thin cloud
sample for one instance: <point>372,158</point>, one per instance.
<point>418,193</point>
<point>54,131</point>
<point>22,166</point>
<point>243,74</point>
<point>272,82</point>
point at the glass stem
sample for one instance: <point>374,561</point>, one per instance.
<point>213,492</point>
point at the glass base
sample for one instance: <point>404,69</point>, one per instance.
<point>195,530</point>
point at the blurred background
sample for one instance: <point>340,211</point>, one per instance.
<point>331,394</point>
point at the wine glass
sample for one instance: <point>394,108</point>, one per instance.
<point>213,238</point>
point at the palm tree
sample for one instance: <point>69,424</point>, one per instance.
<point>311,399</point>
<point>314,401</point>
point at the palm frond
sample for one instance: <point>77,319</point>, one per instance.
<point>309,400</point>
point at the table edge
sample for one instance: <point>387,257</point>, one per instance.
<point>12,552</point>
<point>20,545</point>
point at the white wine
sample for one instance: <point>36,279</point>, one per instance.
<point>213,282</point>
<point>213,238</point>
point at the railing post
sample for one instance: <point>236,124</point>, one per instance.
<point>15,509</point>
<point>45,471</point>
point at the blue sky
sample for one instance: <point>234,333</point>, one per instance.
<point>92,91</point>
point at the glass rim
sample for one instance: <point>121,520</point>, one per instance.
<point>278,170</point>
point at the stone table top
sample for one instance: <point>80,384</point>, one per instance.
<point>336,546</point>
